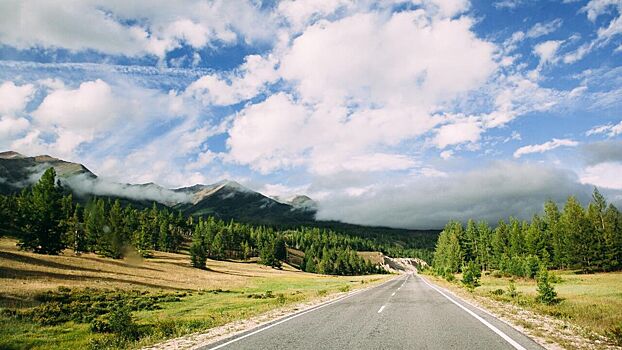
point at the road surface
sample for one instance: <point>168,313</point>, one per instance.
<point>404,313</point>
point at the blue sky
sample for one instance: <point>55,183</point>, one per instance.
<point>398,113</point>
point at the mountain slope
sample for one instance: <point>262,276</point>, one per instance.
<point>224,199</point>
<point>230,200</point>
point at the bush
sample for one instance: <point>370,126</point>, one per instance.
<point>546,292</point>
<point>497,292</point>
<point>471,275</point>
<point>512,292</point>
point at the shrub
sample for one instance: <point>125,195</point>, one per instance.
<point>546,292</point>
<point>280,298</point>
<point>122,324</point>
<point>471,275</point>
<point>497,292</point>
<point>512,292</point>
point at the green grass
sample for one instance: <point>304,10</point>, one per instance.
<point>590,301</point>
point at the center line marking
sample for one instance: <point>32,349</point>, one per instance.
<point>382,308</point>
<point>393,294</point>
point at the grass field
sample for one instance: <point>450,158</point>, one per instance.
<point>592,302</point>
<point>203,299</point>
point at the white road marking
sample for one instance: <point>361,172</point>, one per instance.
<point>486,323</point>
<point>382,308</point>
<point>393,294</point>
<point>297,315</point>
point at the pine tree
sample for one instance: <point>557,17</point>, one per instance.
<point>112,241</point>
<point>546,292</point>
<point>75,232</point>
<point>42,209</point>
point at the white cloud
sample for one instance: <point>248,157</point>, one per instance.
<point>610,130</point>
<point>457,133</point>
<point>541,29</point>
<point>603,175</point>
<point>159,26</point>
<point>547,51</point>
<point>13,98</point>
<point>244,83</point>
<point>544,147</point>
<point>375,82</point>
<point>594,9</point>
<point>507,4</point>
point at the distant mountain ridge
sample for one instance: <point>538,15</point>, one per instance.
<point>225,199</point>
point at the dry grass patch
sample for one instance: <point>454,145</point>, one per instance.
<point>221,294</point>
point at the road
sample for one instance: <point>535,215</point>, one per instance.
<point>404,313</point>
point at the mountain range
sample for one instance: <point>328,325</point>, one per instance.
<point>224,199</point>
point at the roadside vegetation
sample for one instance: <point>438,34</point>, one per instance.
<point>72,301</point>
<point>561,263</point>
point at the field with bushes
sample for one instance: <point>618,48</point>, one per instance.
<point>81,301</point>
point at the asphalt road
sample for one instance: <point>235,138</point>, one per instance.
<point>405,313</point>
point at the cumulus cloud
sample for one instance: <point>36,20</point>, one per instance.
<point>547,51</point>
<point>68,118</point>
<point>157,27</point>
<point>375,82</point>
<point>491,192</point>
<point>245,82</point>
<point>544,147</point>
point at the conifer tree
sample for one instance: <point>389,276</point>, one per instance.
<point>42,209</point>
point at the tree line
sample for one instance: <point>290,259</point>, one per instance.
<point>47,220</point>
<point>588,239</point>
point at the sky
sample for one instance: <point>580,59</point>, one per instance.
<point>395,113</point>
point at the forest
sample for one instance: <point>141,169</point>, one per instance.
<point>587,239</point>
<point>46,219</point>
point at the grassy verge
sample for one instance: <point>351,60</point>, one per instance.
<point>71,302</point>
<point>591,302</point>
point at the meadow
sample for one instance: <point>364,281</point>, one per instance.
<point>163,296</point>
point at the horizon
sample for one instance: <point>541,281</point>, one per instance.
<point>400,114</point>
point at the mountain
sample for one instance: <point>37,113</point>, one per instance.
<point>18,171</point>
<point>228,199</point>
<point>225,199</point>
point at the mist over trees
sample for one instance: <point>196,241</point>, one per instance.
<point>589,239</point>
<point>46,220</point>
